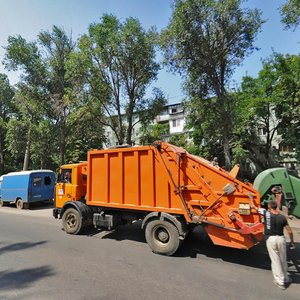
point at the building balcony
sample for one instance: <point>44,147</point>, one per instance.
<point>162,118</point>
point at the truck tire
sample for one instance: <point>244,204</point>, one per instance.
<point>71,221</point>
<point>19,203</point>
<point>162,237</point>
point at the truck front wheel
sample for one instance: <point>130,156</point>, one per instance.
<point>71,221</point>
<point>162,237</point>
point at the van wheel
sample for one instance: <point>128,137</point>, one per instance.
<point>71,221</point>
<point>20,204</point>
<point>162,237</point>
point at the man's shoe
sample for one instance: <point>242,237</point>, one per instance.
<point>288,280</point>
<point>281,286</point>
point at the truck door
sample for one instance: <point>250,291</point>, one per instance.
<point>64,187</point>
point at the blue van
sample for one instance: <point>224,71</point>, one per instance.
<point>25,187</point>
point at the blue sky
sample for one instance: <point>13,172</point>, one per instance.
<point>29,17</point>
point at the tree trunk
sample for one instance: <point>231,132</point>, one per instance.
<point>129,121</point>
<point>1,163</point>
<point>1,158</point>
<point>62,147</point>
<point>129,132</point>
<point>27,150</point>
<point>227,153</point>
<point>42,164</point>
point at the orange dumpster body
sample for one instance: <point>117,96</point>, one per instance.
<point>164,179</point>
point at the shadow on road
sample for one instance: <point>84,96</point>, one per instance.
<point>132,232</point>
<point>198,244</point>
<point>41,205</point>
<point>294,263</point>
<point>20,246</point>
<point>23,278</point>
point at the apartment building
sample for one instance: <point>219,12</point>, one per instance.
<point>175,115</point>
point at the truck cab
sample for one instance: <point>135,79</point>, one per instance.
<point>71,183</point>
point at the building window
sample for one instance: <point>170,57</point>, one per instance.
<point>176,123</point>
<point>285,148</point>
<point>262,131</point>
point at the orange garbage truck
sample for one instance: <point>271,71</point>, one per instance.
<point>167,188</point>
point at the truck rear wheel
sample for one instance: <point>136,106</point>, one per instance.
<point>19,203</point>
<point>162,237</point>
<point>71,221</point>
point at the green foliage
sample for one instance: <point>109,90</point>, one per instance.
<point>115,63</point>
<point>178,140</point>
<point>239,153</point>
<point>43,137</point>
<point>25,56</point>
<point>290,14</point>
<point>16,143</point>
<point>152,133</point>
<point>288,89</point>
<point>272,104</point>
<point>48,103</point>
<point>6,111</point>
<point>206,40</point>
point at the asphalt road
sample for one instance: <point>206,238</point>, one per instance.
<point>38,260</point>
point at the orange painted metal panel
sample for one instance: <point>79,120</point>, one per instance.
<point>132,178</point>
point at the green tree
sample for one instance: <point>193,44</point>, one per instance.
<point>115,62</point>
<point>49,92</point>
<point>206,40</point>
<point>58,47</point>
<point>6,110</point>
<point>288,87</point>
<point>153,132</point>
<point>272,105</point>
<point>22,125</point>
<point>290,14</point>
<point>261,100</point>
<point>31,100</point>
